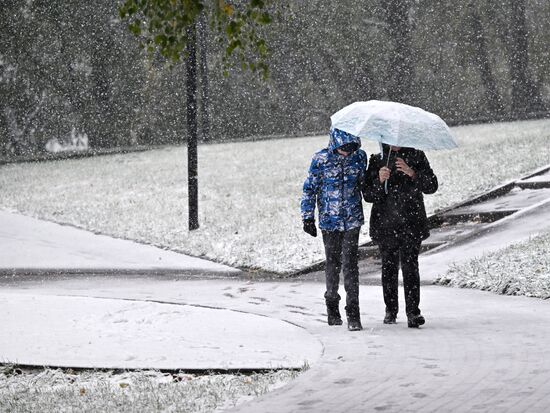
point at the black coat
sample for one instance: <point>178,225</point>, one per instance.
<point>400,212</point>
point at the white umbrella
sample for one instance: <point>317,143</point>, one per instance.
<point>395,124</point>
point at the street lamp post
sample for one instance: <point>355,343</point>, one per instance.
<point>192,153</point>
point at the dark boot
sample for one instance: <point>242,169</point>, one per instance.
<point>415,321</point>
<point>333,313</point>
<point>334,318</point>
<point>390,318</point>
<point>354,318</point>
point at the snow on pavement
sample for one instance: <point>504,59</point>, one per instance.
<point>297,302</point>
<point>477,351</point>
<point>32,245</point>
<point>515,228</point>
<point>86,332</point>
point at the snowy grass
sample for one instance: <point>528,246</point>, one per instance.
<point>46,390</point>
<point>520,269</point>
<point>249,192</point>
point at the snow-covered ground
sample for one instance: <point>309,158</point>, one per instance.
<point>126,334</point>
<point>520,269</point>
<point>249,191</point>
<point>250,196</point>
<point>47,390</point>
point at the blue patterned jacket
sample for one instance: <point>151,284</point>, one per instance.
<point>334,183</point>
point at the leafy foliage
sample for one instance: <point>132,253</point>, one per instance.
<point>64,66</point>
<point>164,25</point>
<point>74,64</point>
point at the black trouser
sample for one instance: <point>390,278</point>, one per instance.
<point>404,251</point>
<point>341,251</point>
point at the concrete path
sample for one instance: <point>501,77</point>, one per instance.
<point>477,352</point>
<point>515,228</point>
<point>114,333</point>
<point>32,246</point>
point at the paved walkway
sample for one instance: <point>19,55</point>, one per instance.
<point>125,332</point>
<point>478,351</point>
<point>32,246</point>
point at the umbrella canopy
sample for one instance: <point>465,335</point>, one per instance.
<point>395,124</point>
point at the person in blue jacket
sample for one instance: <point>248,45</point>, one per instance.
<point>334,183</point>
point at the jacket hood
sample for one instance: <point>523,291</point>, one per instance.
<point>339,138</point>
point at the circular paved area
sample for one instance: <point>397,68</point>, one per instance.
<point>110,333</point>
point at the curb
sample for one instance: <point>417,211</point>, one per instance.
<point>12,272</point>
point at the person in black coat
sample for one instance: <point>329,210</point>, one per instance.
<point>395,183</point>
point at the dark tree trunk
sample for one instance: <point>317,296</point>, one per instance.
<point>481,59</point>
<point>401,64</point>
<point>101,91</point>
<point>4,133</point>
<point>204,103</point>
<point>525,94</point>
<point>364,79</point>
<point>192,153</point>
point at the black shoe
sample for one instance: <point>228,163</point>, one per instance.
<point>390,318</point>
<point>354,317</point>
<point>334,320</point>
<point>333,312</point>
<point>354,324</point>
<point>416,321</point>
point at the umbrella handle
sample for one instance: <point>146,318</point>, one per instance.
<point>387,164</point>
